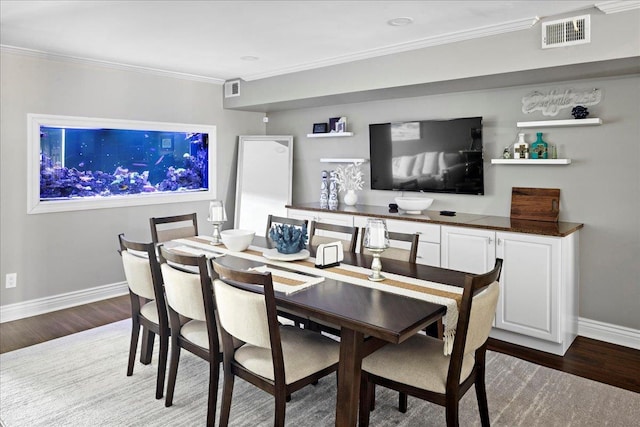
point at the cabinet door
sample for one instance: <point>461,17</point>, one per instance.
<point>467,249</point>
<point>529,285</point>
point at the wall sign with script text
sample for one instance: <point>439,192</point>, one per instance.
<point>550,103</point>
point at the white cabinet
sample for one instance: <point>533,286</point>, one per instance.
<point>472,250</point>
<point>326,217</point>
<point>428,242</point>
<point>538,305</point>
<point>530,282</point>
<point>538,291</point>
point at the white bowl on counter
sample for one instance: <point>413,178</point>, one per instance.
<point>237,240</point>
<point>413,205</point>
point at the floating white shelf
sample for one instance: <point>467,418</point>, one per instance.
<point>343,160</point>
<point>329,134</point>
<point>530,161</point>
<point>560,123</point>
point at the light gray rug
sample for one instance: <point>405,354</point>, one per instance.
<point>80,380</point>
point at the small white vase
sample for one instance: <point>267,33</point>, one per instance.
<point>350,198</point>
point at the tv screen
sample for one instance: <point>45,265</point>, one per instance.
<point>440,156</point>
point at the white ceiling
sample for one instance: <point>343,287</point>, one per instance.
<point>208,39</point>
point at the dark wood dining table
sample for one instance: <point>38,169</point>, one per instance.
<point>360,312</point>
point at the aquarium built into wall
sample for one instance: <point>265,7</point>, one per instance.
<point>78,163</point>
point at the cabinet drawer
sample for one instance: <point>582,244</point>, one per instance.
<point>428,254</point>
<point>428,232</point>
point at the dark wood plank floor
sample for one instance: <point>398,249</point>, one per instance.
<point>607,363</point>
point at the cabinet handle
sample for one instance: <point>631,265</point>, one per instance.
<point>489,240</point>
<point>418,232</point>
<point>499,242</point>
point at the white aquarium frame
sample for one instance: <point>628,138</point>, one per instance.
<point>37,206</point>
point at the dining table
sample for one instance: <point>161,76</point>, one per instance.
<point>367,317</point>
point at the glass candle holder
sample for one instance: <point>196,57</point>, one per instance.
<point>376,240</point>
<point>217,216</point>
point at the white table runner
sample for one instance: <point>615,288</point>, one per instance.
<point>200,245</point>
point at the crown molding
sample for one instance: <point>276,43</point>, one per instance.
<point>490,30</point>
<point>108,64</point>
<point>617,6</point>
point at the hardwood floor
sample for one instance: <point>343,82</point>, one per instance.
<point>596,360</point>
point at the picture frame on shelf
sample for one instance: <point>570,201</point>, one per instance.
<point>341,125</point>
<point>320,128</point>
<point>332,124</point>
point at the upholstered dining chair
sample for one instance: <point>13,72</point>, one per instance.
<point>190,305</point>
<point>277,359</point>
<point>148,308</point>
<point>173,227</point>
<point>395,252</point>
<point>347,235</point>
<point>271,220</point>
<point>418,366</point>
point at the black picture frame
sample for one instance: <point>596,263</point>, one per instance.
<point>320,128</point>
<point>332,124</point>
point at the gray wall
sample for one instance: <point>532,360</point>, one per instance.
<point>64,252</point>
<point>601,188</point>
<point>502,60</point>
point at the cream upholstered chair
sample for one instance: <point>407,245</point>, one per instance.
<point>173,227</point>
<point>395,252</point>
<point>191,314</point>
<point>418,366</point>
<point>347,235</point>
<point>277,359</point>
<point>148,307</point>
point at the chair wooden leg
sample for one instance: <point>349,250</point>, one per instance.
<point>365,401</point>
<point>133,346</point>
<point>281,402</point>
<point>481,394</point>
<point>402,402</point>
<point>214,374</point>
<point>162,366</point>
<point>372,397</point>
<point>147,346</point>
<point>173,373</point>
<point>227,393</point>
<point>452,412</point>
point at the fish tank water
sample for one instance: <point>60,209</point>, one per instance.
<point>108,162</point>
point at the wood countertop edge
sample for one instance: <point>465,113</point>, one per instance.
<point>475,221</point>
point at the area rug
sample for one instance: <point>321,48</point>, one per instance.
<point>80,380</point>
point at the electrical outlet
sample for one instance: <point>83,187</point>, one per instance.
<point>11,280</point>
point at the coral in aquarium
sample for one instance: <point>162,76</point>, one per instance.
<point>288,238</point>
<point>57,181</point>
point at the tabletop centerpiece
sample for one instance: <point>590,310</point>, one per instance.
<point>288,239</point>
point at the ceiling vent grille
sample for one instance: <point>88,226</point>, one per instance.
<point>231,88</point>
<point>566,32</point>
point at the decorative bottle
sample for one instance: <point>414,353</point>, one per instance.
<point>539,149</point>
<point>333,191</point>
<point>521,148</point>
<point>324,190</point>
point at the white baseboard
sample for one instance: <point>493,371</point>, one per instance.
<point>34,307</point>
<point>607,332</point>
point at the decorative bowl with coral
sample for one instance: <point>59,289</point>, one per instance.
<point>288,239</point>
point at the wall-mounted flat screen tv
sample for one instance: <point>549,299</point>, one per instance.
<point>440,156</point>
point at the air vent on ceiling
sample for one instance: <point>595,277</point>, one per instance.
<point>232,88</point>
<point>566,32</point>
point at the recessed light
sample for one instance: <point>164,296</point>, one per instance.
<point>399,22</point>
<point>249,58</point>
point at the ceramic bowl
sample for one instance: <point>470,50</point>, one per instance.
<point>237,240</point>
<point>413,205</point>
